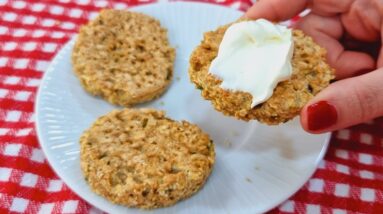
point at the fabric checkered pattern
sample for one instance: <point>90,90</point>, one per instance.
<point>348,180</point>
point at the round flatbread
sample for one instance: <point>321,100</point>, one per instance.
<point>124,57</point>
<point>310,75</point>
<point>140,158</point>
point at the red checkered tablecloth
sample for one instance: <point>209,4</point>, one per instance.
<point>348,180</point>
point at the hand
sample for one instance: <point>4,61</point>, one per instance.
<point>351,31</point>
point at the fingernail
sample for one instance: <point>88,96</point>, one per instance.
<point>361,72</point>
<point>321,115</point>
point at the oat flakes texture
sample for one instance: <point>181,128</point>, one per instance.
<point>140,158</point>
<point>124,57</point>
<point>310,75</point>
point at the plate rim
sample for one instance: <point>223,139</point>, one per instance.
<point>54,165</point>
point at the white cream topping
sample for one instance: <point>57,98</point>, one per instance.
<point>253,57</point>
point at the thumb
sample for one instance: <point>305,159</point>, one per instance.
<point>344,103</point>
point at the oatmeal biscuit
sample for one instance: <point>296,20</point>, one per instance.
<point>140,158</point>
<point>311,74</point>
<point>124,57</point>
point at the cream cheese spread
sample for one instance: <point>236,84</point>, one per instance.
<point>253,57</point>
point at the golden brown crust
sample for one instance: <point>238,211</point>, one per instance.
<point>311,74</point>
<point>123,57</point>
<point>140,158</point>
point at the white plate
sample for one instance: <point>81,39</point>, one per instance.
<point>257,166</point>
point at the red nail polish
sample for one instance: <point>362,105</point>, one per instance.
<point>321,115</point>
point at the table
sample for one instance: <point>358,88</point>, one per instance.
<point>348,180</point>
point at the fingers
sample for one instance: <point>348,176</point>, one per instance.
<point>279,10</point>
<point>330,7</point>
<point>313,23</point>
<point>326,31</point>
<point>276,10</point>
<point>362,20</point>
<point>351,63</point>
<point>379,5</point>
<point>345,103</point>
<point>380,58</point>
